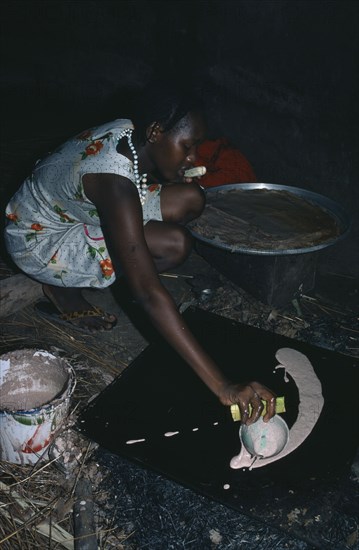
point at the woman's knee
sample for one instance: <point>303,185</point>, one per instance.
<point>169,243</point>
<point>196,200</point>
<point>182,203</point>
<point>179,244</point>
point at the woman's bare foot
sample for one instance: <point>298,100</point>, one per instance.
<point>76,310</point>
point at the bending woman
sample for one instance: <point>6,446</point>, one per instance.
<point>93,210</point>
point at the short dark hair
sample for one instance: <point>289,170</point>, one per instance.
<point>164,102</point>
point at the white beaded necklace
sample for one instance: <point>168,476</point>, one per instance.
<point>140,181</point>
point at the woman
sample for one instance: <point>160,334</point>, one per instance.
<point>93,210</point>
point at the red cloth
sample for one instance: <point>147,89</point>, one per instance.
<point>224,164</point>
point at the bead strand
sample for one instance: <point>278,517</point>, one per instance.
<point>140,181</point>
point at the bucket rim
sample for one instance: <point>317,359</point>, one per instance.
<point>69,389</point>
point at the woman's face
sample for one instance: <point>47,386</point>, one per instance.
<point>174,152</point>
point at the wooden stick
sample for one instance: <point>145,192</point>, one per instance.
<point>177,275</point>
<point>84,523</point>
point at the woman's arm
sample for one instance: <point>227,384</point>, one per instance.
<point>117,202</point>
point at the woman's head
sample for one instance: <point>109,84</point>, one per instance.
<point>165,103</point>
<point>172,152</point>
<point>169,123</point>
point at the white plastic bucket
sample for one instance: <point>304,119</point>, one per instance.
<point>35,391</point>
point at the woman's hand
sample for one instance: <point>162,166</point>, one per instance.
<point>249,394</point>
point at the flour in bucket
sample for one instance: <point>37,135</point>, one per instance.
<point>35,391</point>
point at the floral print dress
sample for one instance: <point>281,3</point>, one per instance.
<point>53,231</point>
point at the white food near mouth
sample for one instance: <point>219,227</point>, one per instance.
<point>195,172</point>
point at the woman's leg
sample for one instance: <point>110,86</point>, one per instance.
<point>182,202</point>
<point>169,242</point>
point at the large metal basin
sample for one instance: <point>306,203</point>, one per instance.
<point>330,207</point>
<point>277,275</point>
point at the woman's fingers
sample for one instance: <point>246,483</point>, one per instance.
<point>270,409</point>
<point>267,395</point>
<point>245,412</point>
<point>257,408</point>
<point>249,399</point>
<point>250,405</point>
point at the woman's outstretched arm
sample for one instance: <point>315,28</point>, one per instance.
<point>117,202</point>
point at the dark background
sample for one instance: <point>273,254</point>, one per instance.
<point>279,78</point>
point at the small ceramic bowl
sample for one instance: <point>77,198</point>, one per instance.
<point>265,439</point>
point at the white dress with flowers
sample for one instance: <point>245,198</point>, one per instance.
<point>53,231</point>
